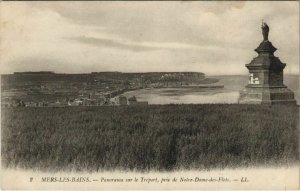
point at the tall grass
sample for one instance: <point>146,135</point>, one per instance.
<point>166,137</point>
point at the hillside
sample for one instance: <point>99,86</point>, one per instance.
<point>51,89</point>
<point>166,137</point>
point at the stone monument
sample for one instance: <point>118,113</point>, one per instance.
<point>266,77</point>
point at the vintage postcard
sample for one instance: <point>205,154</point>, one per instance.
<point>149,95</point>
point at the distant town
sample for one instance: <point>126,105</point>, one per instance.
<point>49,89</point>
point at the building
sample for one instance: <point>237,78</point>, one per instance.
<point>122,100</point>
<point>133,102</point>
<point>265,84</point>
<point>76,102</point>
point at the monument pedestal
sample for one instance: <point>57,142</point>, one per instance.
<point>266,77</point>
<point>267,95</point>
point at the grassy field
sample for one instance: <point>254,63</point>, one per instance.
<point>155,137</point>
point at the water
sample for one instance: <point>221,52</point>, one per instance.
<point>228,94</point>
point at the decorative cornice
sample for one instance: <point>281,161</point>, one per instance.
<point>265,47</point>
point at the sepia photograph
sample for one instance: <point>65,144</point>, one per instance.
<point>159,95</point>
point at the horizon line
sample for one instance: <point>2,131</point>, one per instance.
<point>53,72</point>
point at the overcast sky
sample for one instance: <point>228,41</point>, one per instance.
<point>82,37</point>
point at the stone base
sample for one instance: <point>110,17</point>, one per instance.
<point>267,95</point>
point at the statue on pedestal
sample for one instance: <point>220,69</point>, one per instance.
<point>265,84</point>
<point>265,30</point>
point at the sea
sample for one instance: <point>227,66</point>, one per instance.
<point>227,95</point>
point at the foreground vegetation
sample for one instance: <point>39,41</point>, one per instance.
<point>166,137</point>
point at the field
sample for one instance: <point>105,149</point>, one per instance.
<point>155,137</point>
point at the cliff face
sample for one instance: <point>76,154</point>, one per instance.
<point>39,78</point>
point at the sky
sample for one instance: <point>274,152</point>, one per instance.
<point>217,38</point>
